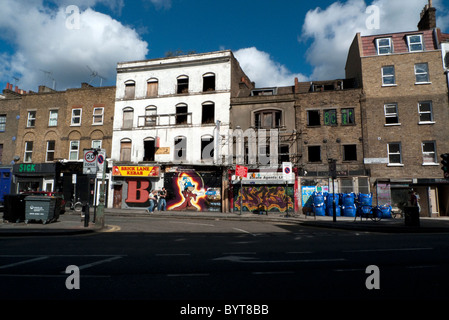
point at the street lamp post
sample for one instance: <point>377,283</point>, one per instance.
<point>333,174</point>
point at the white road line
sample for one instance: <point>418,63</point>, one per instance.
<point>85,266</point>
<point>391,249</point>
<point>244,231</point>
<point>187,274</point>
<point>23,262</point>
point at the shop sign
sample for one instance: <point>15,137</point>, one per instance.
<point>135,171</point>
<point>27,168</point>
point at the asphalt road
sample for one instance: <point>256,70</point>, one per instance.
<point>191,260</point>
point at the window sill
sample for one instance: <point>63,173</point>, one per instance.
<point>430,164</point>
<point>422,83</point>
<point>426,122</point>
<point>395,165</point>
<point>392,124</point>
<point>389,85</point>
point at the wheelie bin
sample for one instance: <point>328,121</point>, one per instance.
<point>38,208</point>
<point>14,207</point>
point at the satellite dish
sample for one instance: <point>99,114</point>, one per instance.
<point>95,74</point>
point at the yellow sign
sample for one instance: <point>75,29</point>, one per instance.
<point>163,150</point>
<point>135,171</point>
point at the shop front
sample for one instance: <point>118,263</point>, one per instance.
<point>33,177</point>
<point>131,185</point>
<point>263,190</point>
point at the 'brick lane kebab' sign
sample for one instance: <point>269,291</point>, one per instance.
<point>135,171</point>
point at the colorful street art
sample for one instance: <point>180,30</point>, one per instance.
<point>266,198</point>
<point>193,191</point>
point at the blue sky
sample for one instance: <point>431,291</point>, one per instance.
<point>275,41</point>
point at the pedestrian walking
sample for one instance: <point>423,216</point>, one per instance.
<point>153,200</point>
<point>162,204</point>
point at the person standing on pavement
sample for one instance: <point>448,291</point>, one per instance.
<point>152,199</point>
<point>162,204</point>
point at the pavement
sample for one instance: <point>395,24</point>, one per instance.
<point>71,222</point>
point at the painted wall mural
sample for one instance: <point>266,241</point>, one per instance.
<point>193,191</point>
<point>271,198</point>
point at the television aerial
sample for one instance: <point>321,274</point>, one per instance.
<point>95,74</point>
<point>50,75</point>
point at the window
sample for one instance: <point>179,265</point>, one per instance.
<point>284,153</point>
<point>53,118</point>
<point>181,114</point>
<point>130,89</point>
<point>268,119</point>
<point>125,150</point>
<point>207,148</point>
<point>346,185</point>
<point>208,115</point>
<point>50,156</point>
<point>209,82</point>
<point>429,152</point>
<point>415,43</point>
<point>422,73</point>
<point>2,123</point>
<point>31,120</point>
<point>128,116</point>
<point>98,116</point>
<point>350,152</point>
<point>394,153</point>
<point>28,156</point>
<point>96,144</point>
<point>330,117</point>
<point>76,117</point>
<point>152,88</point>
<point>74,150</point>
<point>384,46</point>
<point>363,185</point>
<point>347,117</point>
<point>391,114</point>
<point>388,76</point>
<point>180,148</point>
<point>149,146</point>
<point>183,84</point>
<point>425,112</point>
<point>314,153</point>
<point>150,116</point>
<point>313,118</point>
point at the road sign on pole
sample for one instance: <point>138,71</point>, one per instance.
<point>90,161</point>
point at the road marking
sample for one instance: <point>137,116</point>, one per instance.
<point>85,266</point>
<point>392,249</point>
<point>172,254</point>
<point>244,231</point>
<point>187,274</point>
<point>23,262</point>
<point>252,260</point>
<point>272,272</point>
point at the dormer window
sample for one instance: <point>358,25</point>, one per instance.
<point>384,46</point>
<point>415,43</point>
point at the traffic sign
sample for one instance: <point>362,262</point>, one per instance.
<point>287,170</point>
<point>241,171</point>
<point>90,161</point>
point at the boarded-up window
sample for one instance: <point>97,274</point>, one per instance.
<point>128,115</point>
<point>130,90</point>
<point>125,150</point>
<point>152,88</point>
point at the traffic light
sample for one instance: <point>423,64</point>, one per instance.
<point>333,168</point>
<point>445,163</point>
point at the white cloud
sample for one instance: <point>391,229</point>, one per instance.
<point>42,41</point>
<point>333,29</point>
<point>161,4</point>
<point>265,72</point>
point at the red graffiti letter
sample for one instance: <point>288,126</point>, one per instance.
<point>135,194</point>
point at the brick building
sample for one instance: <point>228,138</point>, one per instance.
<point>404,113</point>
<point>55,127</point>
<point>329,122</point>
<point>10,102</point>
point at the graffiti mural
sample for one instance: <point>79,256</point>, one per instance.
<point>193,191</point>
<point>267,198</point>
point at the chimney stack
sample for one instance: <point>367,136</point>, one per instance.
<point>428,18</point>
